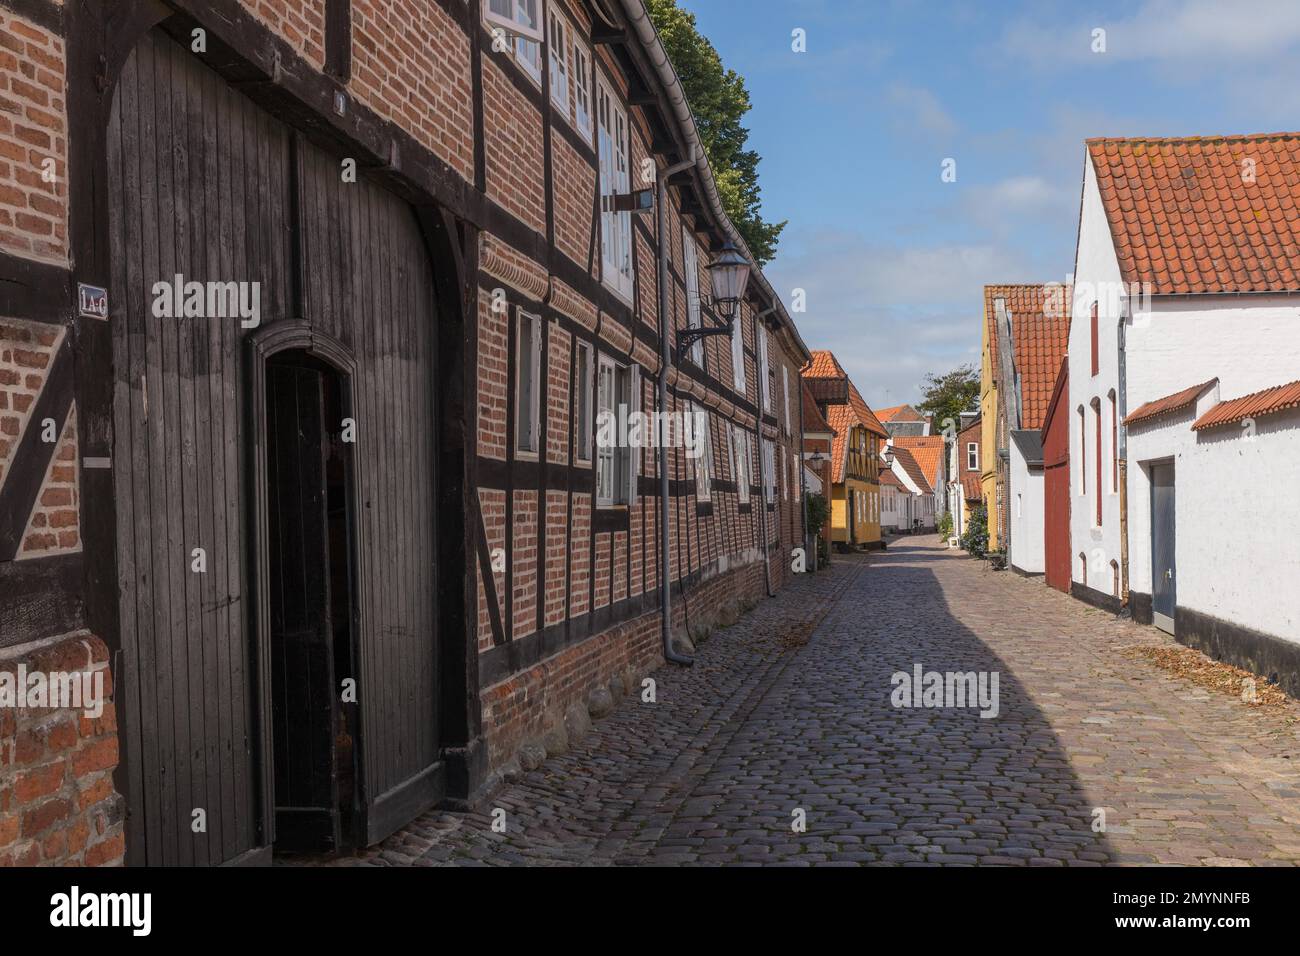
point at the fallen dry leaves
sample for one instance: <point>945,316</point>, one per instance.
<point>1213,675</point>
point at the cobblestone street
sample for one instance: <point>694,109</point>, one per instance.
<point>761,726</point>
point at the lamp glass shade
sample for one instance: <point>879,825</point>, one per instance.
<point>729,275</point>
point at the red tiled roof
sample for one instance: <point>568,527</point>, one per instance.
<point>889,478</point>
<point>865,414</point>
<point>913,468</point>
<point>823,365</point>
<point>1266,402</point>
<point>1041,338</point>
<point>1170,403</point>
<point>1185,218</point>
<point>813,419</point>
<point>1024,299</point>
<point>900,413</point>
<point>928,452</point>
<point>842,417</point>
<point>970,486</point>
<point>841,420</point>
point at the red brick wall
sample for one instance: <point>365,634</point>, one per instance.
<point>411,65</point>
<point>573,181</point>
<point>27,350</point>
<point>300,22</point>
<point>528,704</point>
<point>33,129</point>
<point>512,130</point>
<point>57,802</point>
<point>55,524</point>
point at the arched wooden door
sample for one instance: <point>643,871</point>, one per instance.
<point>208,187</point>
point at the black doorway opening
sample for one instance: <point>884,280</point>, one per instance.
<point>312,598</point>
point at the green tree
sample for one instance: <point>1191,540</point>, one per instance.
<point>947,396</point>
<point>719,100</point>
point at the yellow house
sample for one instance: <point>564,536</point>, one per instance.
<point>855,454</point>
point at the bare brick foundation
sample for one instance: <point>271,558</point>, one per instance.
<point>526,707</point>
<point>57,800</point>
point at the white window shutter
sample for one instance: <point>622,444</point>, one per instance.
<point>785,388</point>
<point>634,454</point>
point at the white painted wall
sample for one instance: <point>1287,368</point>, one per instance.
<point>1097,278</point>
<point>1026,510</point>
<point>1247,342</point>
<point>891,508</point>
<point>1236,512</point>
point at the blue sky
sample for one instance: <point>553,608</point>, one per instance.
<point>854,131</point>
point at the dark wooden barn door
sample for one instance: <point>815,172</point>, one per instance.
<point>206,186</point>
<point>369,283</point>
<point>199,181</point>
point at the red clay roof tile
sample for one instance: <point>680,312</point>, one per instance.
<point>928,452</point>
<point>1170,403</point>
<point>1265,402</point>
<point>1203,214</point>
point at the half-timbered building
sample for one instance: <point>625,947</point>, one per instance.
<point>314,318</point>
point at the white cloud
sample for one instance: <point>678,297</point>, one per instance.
<point>1187,32</point>
<point>919,110</point>
<point>890,313</point>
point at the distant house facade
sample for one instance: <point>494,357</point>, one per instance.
<point>965,490</point>
<point>1184,352</point>
<point>855,454</point>
<point>1033,329</point>
<point>818,444</point>
<point>927,452</point>
<point>1055,441</point>
<point>895,504</point>
<point>904,420</point>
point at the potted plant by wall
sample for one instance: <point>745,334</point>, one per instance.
<point>819,511</point>
<point>975,540</point>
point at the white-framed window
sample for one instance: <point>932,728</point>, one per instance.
<point>517,18</point>
<point>763,384</point>
<point>617,392</point>
<point>528,367</point>
<point>704,464</point>
<point>740,462</point>
<point>972,456</point>
<point>738,354</point>
<point>582,396</point>
<point>691,268</point>
<point>615,227</point>
<point>557,56</point>
<point>785,394</point>
<point>785,475</point>
<point>521,20</point>
<point>581,88</point>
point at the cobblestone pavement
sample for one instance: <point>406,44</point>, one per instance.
<point>762,726</point>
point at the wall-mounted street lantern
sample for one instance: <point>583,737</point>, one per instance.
<point>888,455</point>
<point>729,277</point>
